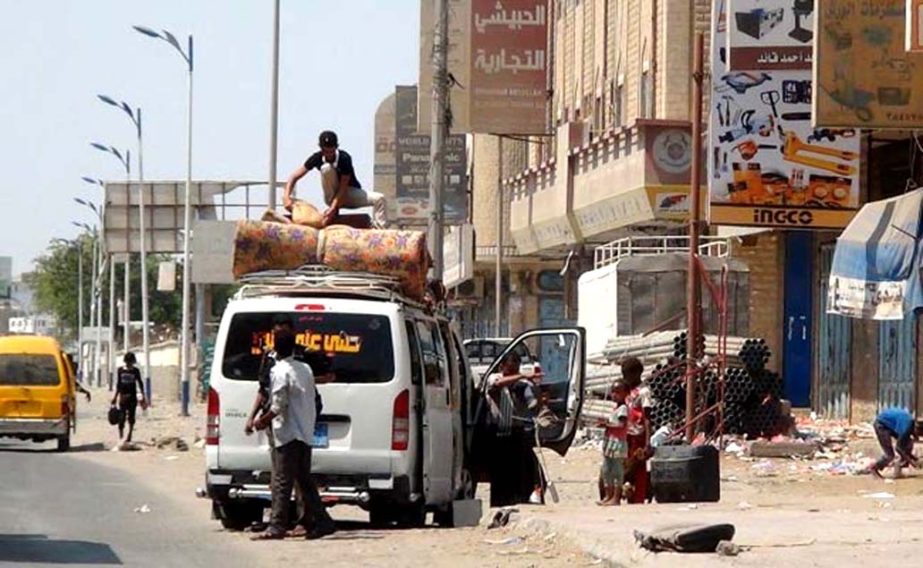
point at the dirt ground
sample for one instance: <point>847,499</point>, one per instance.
<point>804,485</point>
<point>177,474</point>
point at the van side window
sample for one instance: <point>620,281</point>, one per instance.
<point>433,368</point>
<point>416,369</point>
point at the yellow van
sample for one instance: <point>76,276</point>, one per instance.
<point>37,386</point>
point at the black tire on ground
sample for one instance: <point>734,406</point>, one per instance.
<point>64,442</point>
<point>238,516</point>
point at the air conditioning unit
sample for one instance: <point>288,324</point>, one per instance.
<point>473,288</point>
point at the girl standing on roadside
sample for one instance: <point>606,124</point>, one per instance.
<point>129,390</point>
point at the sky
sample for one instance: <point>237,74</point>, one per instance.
<point>338,60</point>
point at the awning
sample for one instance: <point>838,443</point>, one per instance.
<point>875,272</point>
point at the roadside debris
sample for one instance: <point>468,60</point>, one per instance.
<point>143,509</point>
<point>728,548</point>
<point>691,538</point>
<point>171,443</point>
<point>502,517</point>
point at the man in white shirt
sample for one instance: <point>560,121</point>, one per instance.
<point>292,415</point>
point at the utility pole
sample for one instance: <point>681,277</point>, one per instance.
<point>274,107</point>
<point>80,359</point>
<point>439,134</point>
<point>693,304</point>
<point>498,283</point>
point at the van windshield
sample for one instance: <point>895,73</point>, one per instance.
<point>358,346</point>
<point>21,369</point>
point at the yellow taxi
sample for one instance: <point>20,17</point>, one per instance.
<point>37,390</point>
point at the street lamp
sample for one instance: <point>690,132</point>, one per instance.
<point>135,117</point>
<point>100,270</point>
<point>126,163</point>
<point>187,56</point>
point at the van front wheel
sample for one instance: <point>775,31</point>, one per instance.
<point>64,442</point>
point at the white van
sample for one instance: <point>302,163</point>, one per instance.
<point>395,436</point>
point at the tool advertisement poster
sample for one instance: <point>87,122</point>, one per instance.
<point>767,165</point>
<point>865,76</point>
<point>770,35</point>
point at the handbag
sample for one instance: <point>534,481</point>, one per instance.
<point>115,415</point>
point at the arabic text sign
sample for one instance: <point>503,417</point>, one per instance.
<point>767,166</point>
<point>509,67</point>
<point>323,342</point>
<point>770,35</point>
<point>863,73</point>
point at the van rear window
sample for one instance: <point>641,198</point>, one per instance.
<point>358,346</point>
<point>20,369</point>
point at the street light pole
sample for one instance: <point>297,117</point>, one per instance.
<point>126,163</point>
<point>187,217</point>
<point>274,107</point>
<point>80,361</point>
<point>99,271</point>
<point>135,117</point>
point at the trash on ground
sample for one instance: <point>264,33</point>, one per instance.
<point>692,538</point>
<point>143,509</point>
<point>505,541</point>
<point>727,548</point>
<point>879,495</point>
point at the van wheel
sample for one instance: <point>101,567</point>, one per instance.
<point>238,516</point>
<point>412,516</point>
<point>380,516</point>
<point>64,443</point>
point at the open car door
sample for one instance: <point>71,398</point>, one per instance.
<point>559,387</point>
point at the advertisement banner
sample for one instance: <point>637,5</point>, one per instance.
<point>412,167</point>
<point>865,77</point>
<point>770,35</point>
<point>914,36</point>
<point>508,79</point>
<point>459,40</point>
<point>856,298</point>
<point>767,165</point>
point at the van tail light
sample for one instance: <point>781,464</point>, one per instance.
<point>400,422</point>
<point>65,406</point>
<point>213,418</point>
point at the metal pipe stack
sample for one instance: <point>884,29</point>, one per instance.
<point>751,392</point>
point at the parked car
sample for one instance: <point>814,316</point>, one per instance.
<point>37,390</point>
<point>481,353</point>
<point>396,435</point>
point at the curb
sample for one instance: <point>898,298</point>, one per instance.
<point>596,548</point>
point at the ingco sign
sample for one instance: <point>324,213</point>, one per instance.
<point>783,217</point>
<point>325,342</point>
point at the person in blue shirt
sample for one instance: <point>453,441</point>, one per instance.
<point>898,424</point>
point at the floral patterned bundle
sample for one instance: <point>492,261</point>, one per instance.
<point>261,245</point>
<point>401,254</point>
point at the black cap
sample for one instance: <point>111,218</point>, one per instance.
<point>328,139</point>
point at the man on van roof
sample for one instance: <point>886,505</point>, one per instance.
<point>338,179</point>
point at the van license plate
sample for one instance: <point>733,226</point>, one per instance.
<point>321,436</point>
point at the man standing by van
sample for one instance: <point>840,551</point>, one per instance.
<point>338,179</point>
<point>292,416</point>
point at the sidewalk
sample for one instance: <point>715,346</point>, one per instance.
<point>787,519</point>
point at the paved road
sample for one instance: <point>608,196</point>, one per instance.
<point>57,509</point>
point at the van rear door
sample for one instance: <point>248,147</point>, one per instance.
<point>355,427</point>
<point>31,385</point>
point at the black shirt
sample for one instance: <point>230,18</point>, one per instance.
<point>344,165</point>
<point>129,381</point>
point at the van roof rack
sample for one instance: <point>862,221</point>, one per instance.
<point>312,279</point>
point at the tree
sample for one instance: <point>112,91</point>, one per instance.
<point>54,283</point>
